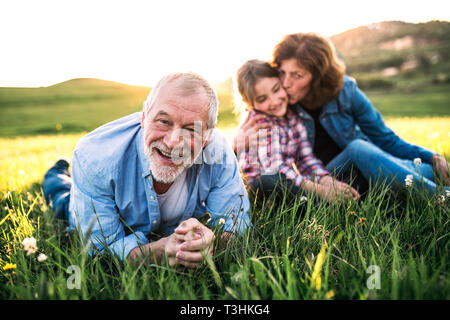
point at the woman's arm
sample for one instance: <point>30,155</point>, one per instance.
<point>372,124</point>
<point>246,135</point>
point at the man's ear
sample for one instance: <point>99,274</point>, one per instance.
<point>142,120</point>
<point>208,135</point>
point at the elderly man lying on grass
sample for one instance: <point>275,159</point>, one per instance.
<point>154,172</point>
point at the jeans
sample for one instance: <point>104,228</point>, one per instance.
<point>267,183</point>
<point>377,165</point>
<point>56,187</point>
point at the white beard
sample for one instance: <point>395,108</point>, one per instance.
<point>168,174</point>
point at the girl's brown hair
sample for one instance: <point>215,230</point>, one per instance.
<point>317,55</point>
<point>249,74</point>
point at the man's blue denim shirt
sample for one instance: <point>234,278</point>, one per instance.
<point>352,116</point>
<point>112,200</point>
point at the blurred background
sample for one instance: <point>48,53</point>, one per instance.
<point>67,67</point>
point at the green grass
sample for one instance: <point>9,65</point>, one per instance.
<point>413,101</point>
<point>406,237</point>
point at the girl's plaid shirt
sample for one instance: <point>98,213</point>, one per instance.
<point>282,148</point>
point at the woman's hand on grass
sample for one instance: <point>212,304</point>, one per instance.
<point>331,189</point>
<point>441,166</point>
<point>335,189</point>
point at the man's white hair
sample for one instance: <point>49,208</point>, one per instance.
<point>188,83</point>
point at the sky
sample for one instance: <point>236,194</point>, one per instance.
<point>45,42</point>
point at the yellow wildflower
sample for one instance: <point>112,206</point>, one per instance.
<point>361,222</point>
<point>329,294</point>
<point>316,279</point>
<point>9,266</point>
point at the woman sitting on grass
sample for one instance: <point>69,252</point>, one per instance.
<point>286,150</point>
<point>342,124</point>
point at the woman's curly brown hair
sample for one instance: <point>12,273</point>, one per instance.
<point>317,55</point>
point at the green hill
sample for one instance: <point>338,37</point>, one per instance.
<point>71,106</point>
<point>397,54</point>
<point>77,105</point>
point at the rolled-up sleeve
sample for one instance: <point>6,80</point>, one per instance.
<point>95,213</point>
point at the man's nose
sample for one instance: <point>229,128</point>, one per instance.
<point>174,138</point>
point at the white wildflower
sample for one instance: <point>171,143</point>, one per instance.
<point>447,193</point>
<point>221,221</point>
<point>42,257</point>
<point>441,199</point>
<point>417,161</point>
<point>409,180</point>
<point>29,245</point>
<point>303,199</point>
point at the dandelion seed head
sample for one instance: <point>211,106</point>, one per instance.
<point>221,221</point>
<point>42,257</point>
<point>29,245</point>
<point>417,161</point>
<point>409,180</point>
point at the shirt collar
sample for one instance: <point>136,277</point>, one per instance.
<point>330,107</point>
<point>140,151</point>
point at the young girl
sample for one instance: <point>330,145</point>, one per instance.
<point>286,149</point>
<point>342,123</point>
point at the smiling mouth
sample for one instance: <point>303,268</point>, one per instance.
<point>169,155</point>
<point>277,108</point>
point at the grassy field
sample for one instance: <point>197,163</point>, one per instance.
<point>296,250</point>
<point>75,106</point>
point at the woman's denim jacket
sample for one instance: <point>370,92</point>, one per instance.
<point>351,116</point>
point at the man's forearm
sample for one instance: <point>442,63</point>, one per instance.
<point>154,250</point>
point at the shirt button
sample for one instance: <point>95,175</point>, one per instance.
<point>152,198</point>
